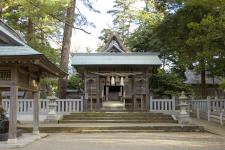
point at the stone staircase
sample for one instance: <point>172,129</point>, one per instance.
<point>115,122</point>
<point>115,117</point>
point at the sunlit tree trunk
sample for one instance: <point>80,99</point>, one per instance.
<point>68,28</point>
<point>30,30</point>
<point>1,9</point>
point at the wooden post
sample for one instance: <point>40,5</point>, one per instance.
<point>98,92</point>
<point>107,93</point>
<point>85,100</point>
<point>134,93</point>
<point>13,115</point>
<point>36,113</point>
<point>147,103</point>
<point>91,97</point>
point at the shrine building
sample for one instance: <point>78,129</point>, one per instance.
<point>116,78</point>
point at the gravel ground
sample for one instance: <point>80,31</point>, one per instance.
<point>129,141</point>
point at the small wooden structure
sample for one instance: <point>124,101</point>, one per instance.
<point>21,68</point>
<point>116,74</point>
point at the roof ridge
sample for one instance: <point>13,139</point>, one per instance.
<point>13,32</point>
<point>119,54</point>
<point>119,41</point>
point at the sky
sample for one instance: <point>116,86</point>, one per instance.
<point>81,40</point>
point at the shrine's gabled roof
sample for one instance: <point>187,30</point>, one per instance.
<point>114,44</point>
<point>90,59</point>
<point>115,53</point>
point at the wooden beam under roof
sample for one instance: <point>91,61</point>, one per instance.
<point>117,73</point>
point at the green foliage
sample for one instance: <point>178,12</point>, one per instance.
<point>123,13</point>
<point>35,20</point>
<point>190,36</point>
<point>168,84</point>
<point>145,38</point>
<point>75,82</point>
<point>49,86</point>
<point>42,22</point>
<point>105,33</point>
<point>222,85</point>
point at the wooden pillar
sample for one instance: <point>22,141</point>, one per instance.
<point>147,98</point>
<point>142,103</point>
<point>13,115</point>
<point>36,112</point>
<point>134,93</point>
<point>107,93</point>
<point>85,100</point>
<point>98,92</point>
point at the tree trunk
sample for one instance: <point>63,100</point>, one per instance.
<point>30,30</point>
<point>68,28</point>
<point>1,9</point>
<point>203,79</point>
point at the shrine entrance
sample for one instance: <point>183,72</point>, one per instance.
<point>115,93</point>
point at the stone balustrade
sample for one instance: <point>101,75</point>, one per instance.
<point>209,109</point>
<point>162,105</point>
<point>63,106</point>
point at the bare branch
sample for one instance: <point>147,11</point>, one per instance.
<point>82,30</point>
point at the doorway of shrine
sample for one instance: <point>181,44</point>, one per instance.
<point>115,93</point>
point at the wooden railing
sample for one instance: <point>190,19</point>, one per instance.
<point>209,109</point>
<point>63,105</point>
<point>162,105</point>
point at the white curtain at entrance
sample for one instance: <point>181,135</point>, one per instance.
<point>112,81</point>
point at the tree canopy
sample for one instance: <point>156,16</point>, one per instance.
<point>191,35</point>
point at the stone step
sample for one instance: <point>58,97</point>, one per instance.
<point>114,129</point>
<point>133,117</point>
<point>116,118</point>
<point>118,121</point>
<point>121,131</point>
<point>115,114</point>
<point>122,113</point>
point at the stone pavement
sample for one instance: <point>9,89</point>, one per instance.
<point>212,127</point>
<point>130,141</point>
<point>22,141</point>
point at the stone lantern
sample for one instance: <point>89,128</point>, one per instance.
<point>52,114</point>
<point>183,114</point>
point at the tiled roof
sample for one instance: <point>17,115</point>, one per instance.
<point>17,51</point>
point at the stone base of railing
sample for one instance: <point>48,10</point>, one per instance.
<point>52,119</point>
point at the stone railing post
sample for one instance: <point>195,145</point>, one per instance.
<point>174,104</point>
<point>221,118</point>
<point>208,108</point>
<point>198,112</point>
<point>151,103</point>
